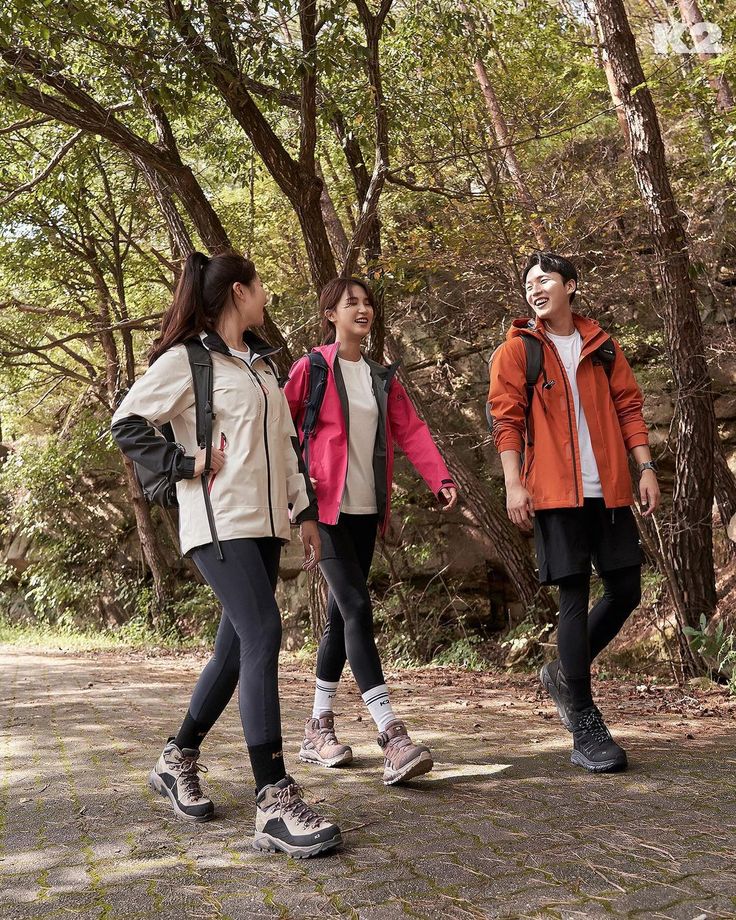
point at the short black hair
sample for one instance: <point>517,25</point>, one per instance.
<point>552,262</point>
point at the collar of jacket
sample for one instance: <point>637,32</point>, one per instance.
<point>590,329</point>
<point>385,373</point>
<point>214,342</point>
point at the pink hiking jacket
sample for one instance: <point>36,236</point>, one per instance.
<point>328,445</point>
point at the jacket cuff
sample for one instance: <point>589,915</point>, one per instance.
<point>446,484</point>
<point>310,513</point>
<point>637,440</point>
<point>186,467</point>
<point>509,440</point>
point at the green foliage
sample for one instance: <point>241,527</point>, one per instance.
<point>465,653</point>
<point>717,646</point>
<point>57,492</point>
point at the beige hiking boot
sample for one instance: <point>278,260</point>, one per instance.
<point>176,777</point>
<point>402,759</point>
<point>285,822</point>
<point>320,746</point>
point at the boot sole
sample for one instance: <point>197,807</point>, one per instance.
<point>156,784</point>
<point>550,687</point>
<point>313,757</point>
<point>265,843</point>
<point>617,765</point>
<point>416,767</point>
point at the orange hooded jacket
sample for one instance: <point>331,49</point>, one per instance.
<point>613,411</point>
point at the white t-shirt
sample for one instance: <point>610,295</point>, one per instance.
<point>360,488</point>
<point>243,355</point>
<point>569,348</point>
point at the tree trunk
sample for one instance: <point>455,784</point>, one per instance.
<point>691,538</point>
<point>180,240</point>
<point>317,604</point>
<point>155,561</point>
<point>693,18</point>
<point>601,56</point>
<point>725,490</point>
<point>654,544</point>
<point>335,230</point>
<point>309,213</point>
<point>198,207</point>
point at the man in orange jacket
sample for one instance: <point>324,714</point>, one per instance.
<point>563,395</point>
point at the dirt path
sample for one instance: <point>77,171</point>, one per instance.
<point>504,826</point>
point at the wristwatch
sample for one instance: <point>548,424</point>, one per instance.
<point>649,465</point>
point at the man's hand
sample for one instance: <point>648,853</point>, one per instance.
<point>649,493</point>
<point>312,545</point>
<point>520,507</point>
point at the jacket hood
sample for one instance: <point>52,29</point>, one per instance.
<point>590,329</point>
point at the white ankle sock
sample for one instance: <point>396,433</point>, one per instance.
<point>324,694</point>
<point>379,706</point>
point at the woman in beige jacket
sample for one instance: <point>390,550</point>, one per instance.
<point>237,499</point>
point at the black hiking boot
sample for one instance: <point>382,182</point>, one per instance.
<point>553,681</point>
<point>593,747</point>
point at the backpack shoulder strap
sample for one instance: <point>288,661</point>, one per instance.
<point>533,349</point>
<point>317,384</point>
<point>605,355</point>
<point>200,362</point>
<point>534,358</point>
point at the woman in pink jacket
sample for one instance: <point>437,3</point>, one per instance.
<point>349,455</point>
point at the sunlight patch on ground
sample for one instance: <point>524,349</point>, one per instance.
<point>475,770</point>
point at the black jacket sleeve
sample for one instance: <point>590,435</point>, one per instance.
<point>141,442</point>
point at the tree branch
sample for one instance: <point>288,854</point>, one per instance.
<point>52,164</point>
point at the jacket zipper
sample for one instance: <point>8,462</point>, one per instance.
<point>347,446</point>
<point>261,387</point>
<point>384,522</point>
<point>569,419</point>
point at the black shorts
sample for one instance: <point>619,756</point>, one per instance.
<point>569,539</point>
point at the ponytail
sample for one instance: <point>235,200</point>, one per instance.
<point>200,297</point>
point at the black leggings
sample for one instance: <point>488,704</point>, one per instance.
<point>248,639</point>
<point>347,553</point>
<point>581,635</point>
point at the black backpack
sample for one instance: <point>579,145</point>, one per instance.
<point>604,355</point>
<point>317,385</point>
<point>156,487</point>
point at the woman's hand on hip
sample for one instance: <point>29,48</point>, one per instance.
<point>312,544</point>
<point>216,460</point>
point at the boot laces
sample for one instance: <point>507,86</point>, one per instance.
<point>592,722</point>
<point>397,743</point>
<point>328,734</point>
<point>189,770</point>
<point>290,801</point>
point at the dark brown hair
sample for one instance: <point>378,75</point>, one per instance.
<point>329,298</point>
<point>200,297</point>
